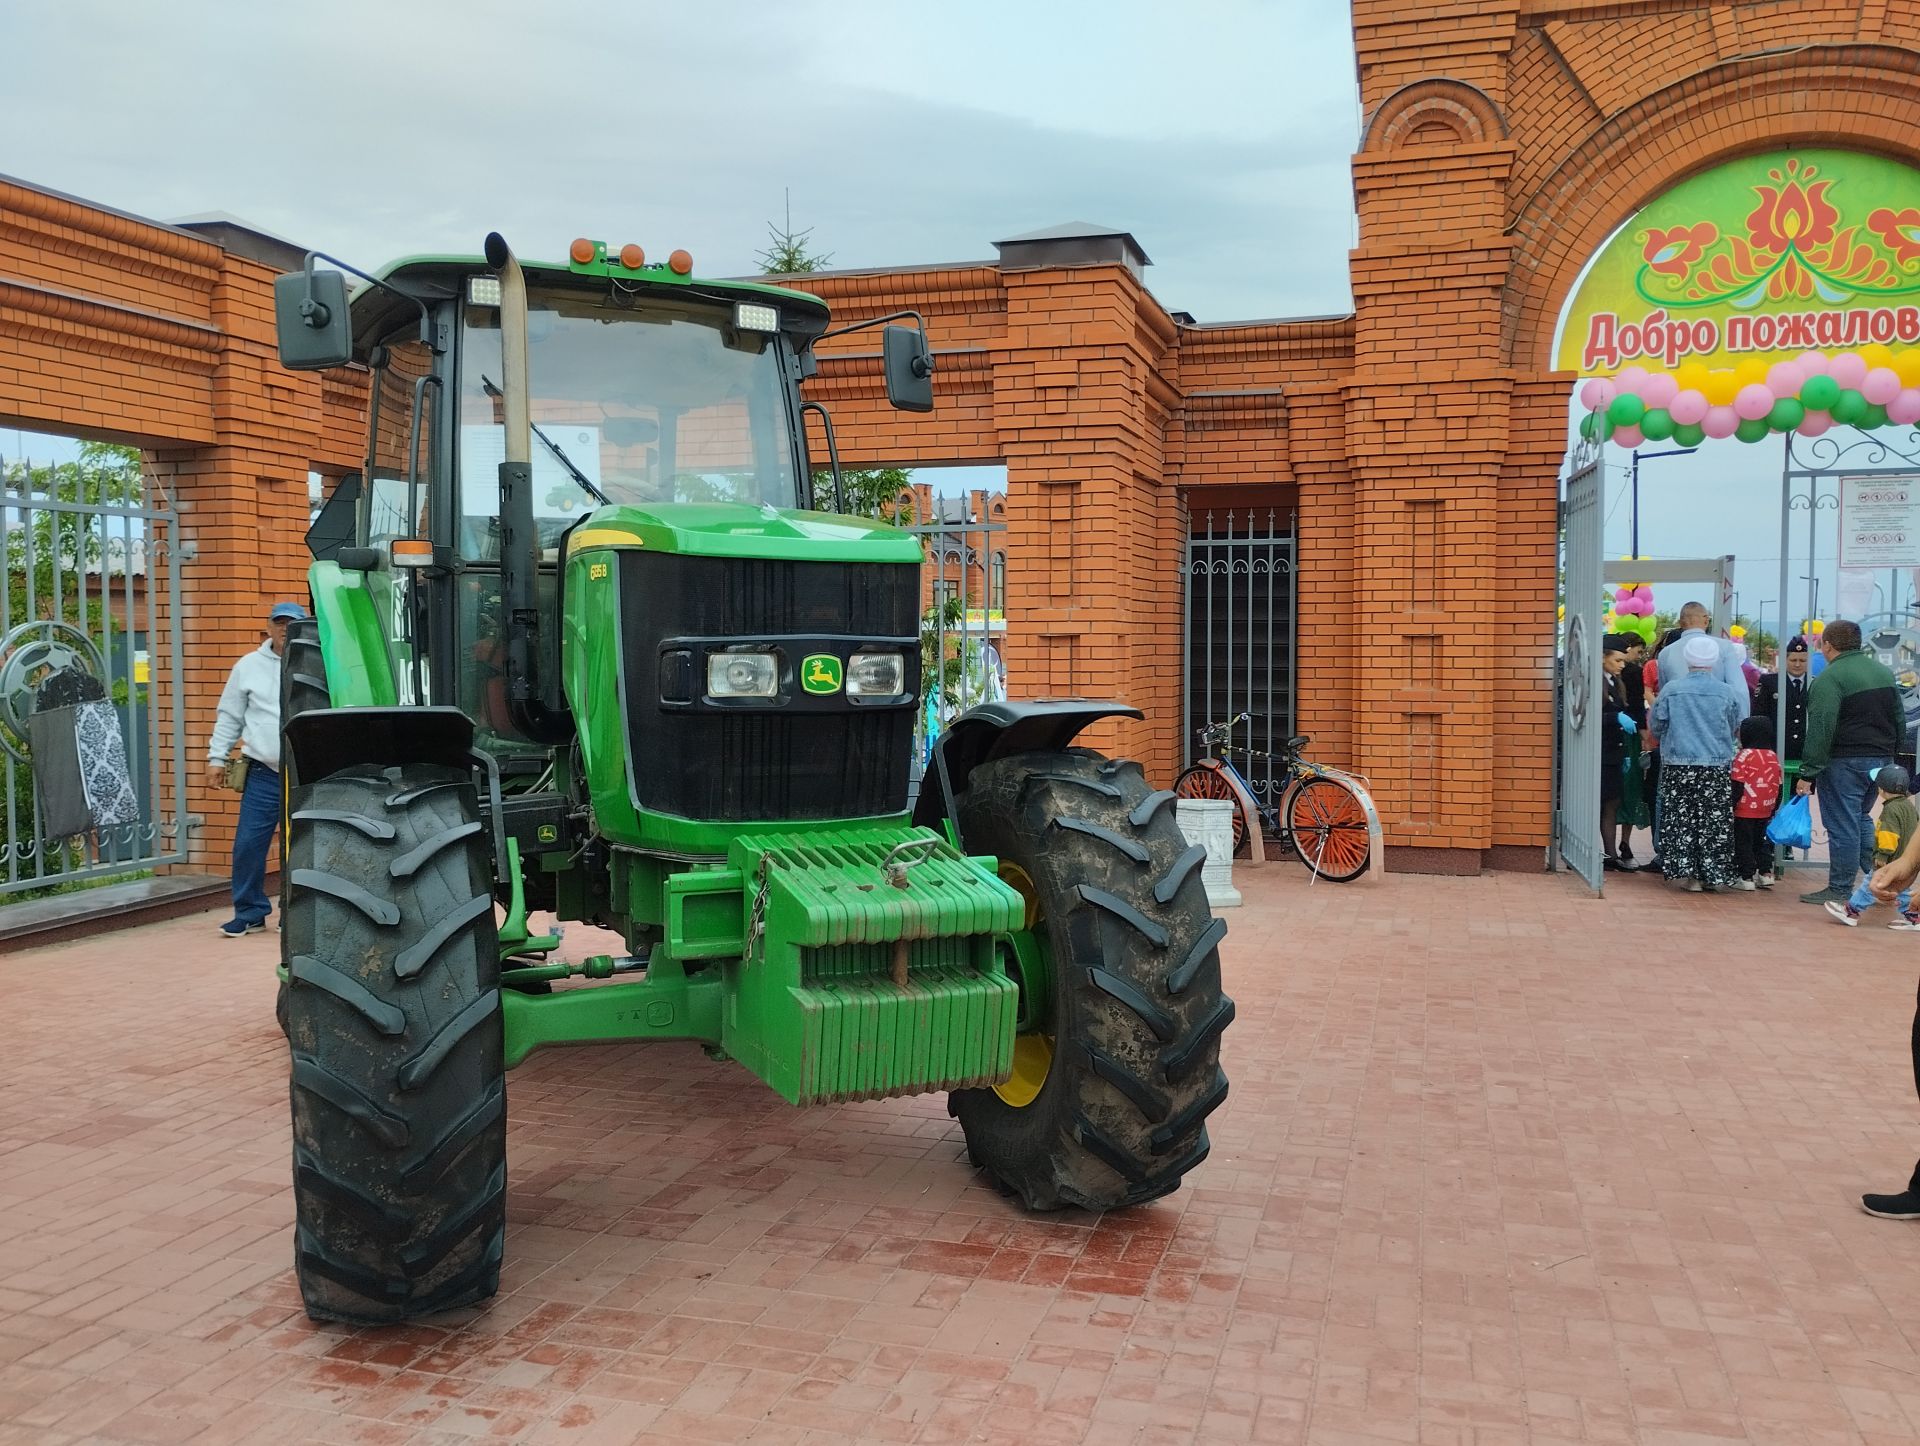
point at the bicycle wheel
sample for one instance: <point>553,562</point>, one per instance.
<point>1329,829</point>
<point>1198,782</point>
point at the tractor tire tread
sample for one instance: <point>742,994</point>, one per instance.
<point>388,1018</point>
<point>1135,983</point>
<point>1112,838</point>
<point>399,1132</point>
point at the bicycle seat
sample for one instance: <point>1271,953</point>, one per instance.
<point>1298,741</point>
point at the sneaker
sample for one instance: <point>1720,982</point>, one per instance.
<point>234,928</point>
<point>1906,921</point>
<point>1844,914</point>
<point>1827,895</point>
<point>1707,888</point>
<point>1696,887</point>
<point>1764,881</point>
<point>1904,1206</point>
<point>1745,886</point>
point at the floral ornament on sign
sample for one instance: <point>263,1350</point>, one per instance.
<point>1797,246</point>
<point>1899,231</point>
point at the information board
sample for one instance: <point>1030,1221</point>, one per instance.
<point>1880,520</point>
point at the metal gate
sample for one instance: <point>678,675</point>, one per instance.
<point>1577,810</point>
<point>1239,641</point>
<point>90,670</point>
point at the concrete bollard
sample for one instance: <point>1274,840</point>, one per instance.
<point>1209,822</point>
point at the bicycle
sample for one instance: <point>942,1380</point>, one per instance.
<point>1324,815</point>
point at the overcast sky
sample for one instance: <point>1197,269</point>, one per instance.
<point>1219,133</point>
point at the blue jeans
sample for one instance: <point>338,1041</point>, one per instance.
<point>259,822</point>
<point>1863,899</point>
<point>1846,802</point>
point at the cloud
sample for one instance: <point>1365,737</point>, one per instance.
<point>378,130</point>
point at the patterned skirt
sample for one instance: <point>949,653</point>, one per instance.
<point>1696,822</point>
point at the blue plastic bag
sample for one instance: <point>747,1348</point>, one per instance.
<point>1792,825</point>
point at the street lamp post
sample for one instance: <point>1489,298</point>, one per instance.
<point>1633,474</point>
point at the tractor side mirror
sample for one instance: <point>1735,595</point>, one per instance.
<point>315,327</point>
<point>909,367</point>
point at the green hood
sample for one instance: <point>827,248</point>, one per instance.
<point>723,529</point>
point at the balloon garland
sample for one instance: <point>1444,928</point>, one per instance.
<point>1808,395</point>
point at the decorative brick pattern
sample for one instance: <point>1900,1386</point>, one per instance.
<point>1417,443</point>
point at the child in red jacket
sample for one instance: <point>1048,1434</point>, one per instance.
<point>1756,777</point>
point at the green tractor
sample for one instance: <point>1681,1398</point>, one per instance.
<point>581,644</point>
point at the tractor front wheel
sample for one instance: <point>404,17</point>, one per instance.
<point>1117,1064</point>
<point>393,1015</point>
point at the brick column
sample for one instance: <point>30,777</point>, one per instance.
<point>1093,530</point>
<point>1428,421</point>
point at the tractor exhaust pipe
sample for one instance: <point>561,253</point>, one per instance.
<point>541,717</point>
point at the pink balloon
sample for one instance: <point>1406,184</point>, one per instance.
<point>1622,594</point>
<point>1784,379</point>
<point>1630,379</point>
<point>1752,402</point>
<point>1881,386</point>
<point>1718,422</point>
<point>1659,390</point>
<point>1814,423</point>
<point>1812,364</point>
<point>1596,393</point>
<point>1689,408</point>
<point>1628,437</point>
<point>1644,592</point>
<point>1904,410</point>
<point>1849,369</point>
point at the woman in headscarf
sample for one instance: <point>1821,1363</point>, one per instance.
<point>1696,718</point>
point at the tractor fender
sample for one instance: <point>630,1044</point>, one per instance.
<point>993,730</point>
<point>321,741</point>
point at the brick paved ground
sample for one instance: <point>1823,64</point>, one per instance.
<point>1499,1164</point>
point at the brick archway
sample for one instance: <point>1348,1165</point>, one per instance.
<point>1856,101</point>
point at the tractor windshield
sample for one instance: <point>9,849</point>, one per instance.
<point>653,401</point>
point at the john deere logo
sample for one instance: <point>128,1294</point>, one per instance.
<point>820,673</point>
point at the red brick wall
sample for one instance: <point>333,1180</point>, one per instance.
<point>1419,441</point>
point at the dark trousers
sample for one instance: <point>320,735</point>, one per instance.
<point>1914,1183</point>
<point>259,822</point>
<point>1752,854</point>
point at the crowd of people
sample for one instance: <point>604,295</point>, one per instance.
<point>1690,748</point>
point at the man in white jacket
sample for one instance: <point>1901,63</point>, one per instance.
<point>250,716</point>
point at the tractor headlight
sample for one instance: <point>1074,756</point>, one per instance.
<point>743,675</point>
<point>876,675</point>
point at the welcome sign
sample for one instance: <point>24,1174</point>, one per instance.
<point>1761,259</point>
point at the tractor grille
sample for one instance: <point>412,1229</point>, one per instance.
<point>831,760</point>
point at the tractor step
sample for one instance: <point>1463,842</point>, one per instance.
<point>872,966</point>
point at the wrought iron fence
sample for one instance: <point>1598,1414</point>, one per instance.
<point>1241,616</point>
<point>963,600</point>
<point>92,712</point>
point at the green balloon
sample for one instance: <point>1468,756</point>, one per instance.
<point>1751,429</point>
<point>1876,416</point>
<point>1820,393</point>
<point>1625,410</point>
<point>1657,424</point>
<point>1786,415</point>
<point>1850,407</point>
<point>1689,434</point>
<point>1590,425</point>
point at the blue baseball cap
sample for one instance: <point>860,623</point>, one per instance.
<point>287,611</point>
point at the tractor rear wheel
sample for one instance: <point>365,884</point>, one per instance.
<point>303,687</point>
<point>1118,1062</point>
<point>393,1015</point>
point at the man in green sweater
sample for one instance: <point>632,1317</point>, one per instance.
<point>1855,725</point>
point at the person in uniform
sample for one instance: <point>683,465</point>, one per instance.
<point>1794,681</point>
